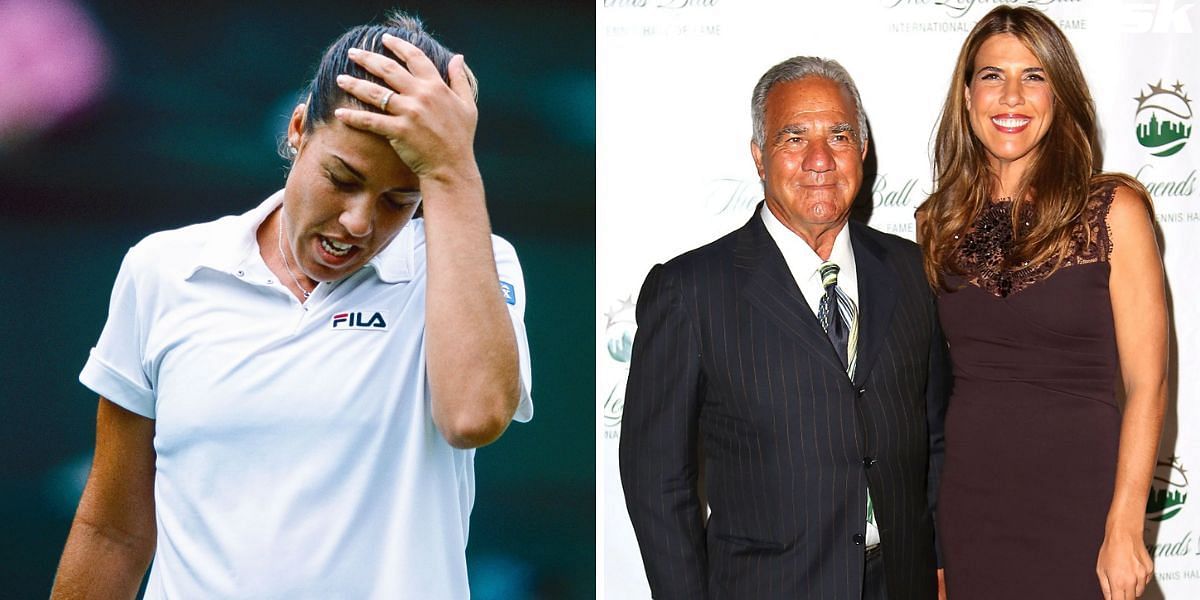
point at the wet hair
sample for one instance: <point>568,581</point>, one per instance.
<point>324,96</point>
<point>1065,166</point>
<point>793,69</point>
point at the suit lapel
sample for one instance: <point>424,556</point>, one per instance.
<point>877,289</point>
<point>770,287</point>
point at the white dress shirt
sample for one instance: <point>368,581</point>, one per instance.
<point>805,265</point>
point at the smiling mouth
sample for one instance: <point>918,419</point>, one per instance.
<point>1011,123</point>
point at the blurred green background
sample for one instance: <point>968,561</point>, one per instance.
<point>118,119</point>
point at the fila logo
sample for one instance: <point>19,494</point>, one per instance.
<point>360,320</point>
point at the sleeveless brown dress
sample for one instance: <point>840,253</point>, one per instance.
<point>1033,424</point>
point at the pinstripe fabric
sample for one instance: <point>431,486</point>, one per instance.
<point>732,374</point>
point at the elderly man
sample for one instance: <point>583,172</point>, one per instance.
<point>798,363</point>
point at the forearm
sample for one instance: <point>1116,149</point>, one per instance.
<point>470,343</point>
<point>1141,426</point>
<point>101,564</point>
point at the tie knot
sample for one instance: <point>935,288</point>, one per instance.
<point>829,273</point>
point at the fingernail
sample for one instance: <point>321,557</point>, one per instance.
<point>339,112</point>
<point>354,52</point>
<point>388,36</point>
<point>343,79</point>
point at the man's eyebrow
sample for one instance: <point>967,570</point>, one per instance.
<point>847,128</point>
<point>787,130</point>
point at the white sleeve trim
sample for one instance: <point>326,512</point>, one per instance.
<point>508,267</point>
<point>103,379</point>
<point>525,406</point>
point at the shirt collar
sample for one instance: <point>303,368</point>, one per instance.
<point>801,258</point>
<point>234,244</point>
<point>397,261</point>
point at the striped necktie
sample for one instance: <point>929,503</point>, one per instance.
<point>840,325</point>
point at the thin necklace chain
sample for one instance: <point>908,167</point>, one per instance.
<point>283,255</point>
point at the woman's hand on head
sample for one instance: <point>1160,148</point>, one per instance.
<point>431,125</point>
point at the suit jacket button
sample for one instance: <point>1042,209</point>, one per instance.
<point>868,461</point>
<point>858,393</point>
<point>859,539</point>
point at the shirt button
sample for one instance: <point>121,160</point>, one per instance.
<point>270,281</point>
<point>868,461</point>
<point>241,273</point>
<point>859,539</point>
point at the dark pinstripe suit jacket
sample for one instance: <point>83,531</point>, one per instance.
<point>731,369</point>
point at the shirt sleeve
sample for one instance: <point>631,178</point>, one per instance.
<point>114,368</point>
<point>512,284</point>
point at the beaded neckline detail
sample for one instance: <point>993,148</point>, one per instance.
<point>984,253</point>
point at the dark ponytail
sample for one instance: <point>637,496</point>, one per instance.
<point>324,95</point>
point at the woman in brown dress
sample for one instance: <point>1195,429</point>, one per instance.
<point>1051,295</point>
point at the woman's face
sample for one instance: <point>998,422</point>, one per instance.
<point>347,196</point>
<point>1009,101</point>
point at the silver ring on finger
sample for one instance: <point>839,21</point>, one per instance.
<point>383,102</point>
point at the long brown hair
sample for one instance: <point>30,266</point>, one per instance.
<point>1060,171</point>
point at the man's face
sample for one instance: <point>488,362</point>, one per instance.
<point>811,158</point>
<point>347,196</point>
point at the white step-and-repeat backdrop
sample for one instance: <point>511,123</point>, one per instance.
<point>674,171</point>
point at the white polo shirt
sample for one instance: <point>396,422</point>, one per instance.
<point>297,454</point>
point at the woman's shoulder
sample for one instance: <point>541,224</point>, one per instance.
<point>1119,198</point>
<point>1118,189</point>
<point>175,244</point>
<point>1123,208</point>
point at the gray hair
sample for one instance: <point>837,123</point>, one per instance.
<point>799,67</point>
